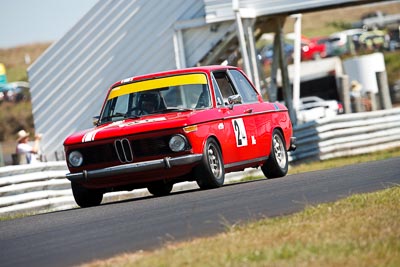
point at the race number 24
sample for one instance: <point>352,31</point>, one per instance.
<point>240,132</point>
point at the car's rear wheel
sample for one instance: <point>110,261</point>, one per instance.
<point>210,173</point>
<point>277,164</point>
<point>159,189</point>
<point>86,197</point>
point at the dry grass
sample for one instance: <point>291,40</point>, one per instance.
<point>14,59</point>
<point>362,230</point>
<point>323,23</point>
<point>14,117</point>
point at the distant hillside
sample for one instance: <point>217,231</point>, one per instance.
<point>18,59</point>
<point>325,22</point>
<point>17,116</point>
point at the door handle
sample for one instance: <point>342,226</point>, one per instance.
<point>249,110</point>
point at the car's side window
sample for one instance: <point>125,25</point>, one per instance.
<point>246,90</point>
<point>225,85</point>
<point>218,95</point>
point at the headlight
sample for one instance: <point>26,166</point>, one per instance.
<point>75,158</point>
<point>178,143</point>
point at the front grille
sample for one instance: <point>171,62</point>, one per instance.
<point>151,146</point>
<point>99,154</point>
<point>124,150</point>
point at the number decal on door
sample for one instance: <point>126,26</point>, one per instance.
<point>240,132</point>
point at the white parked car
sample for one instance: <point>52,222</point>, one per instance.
<point>339,40</point>
<point>313,107</point>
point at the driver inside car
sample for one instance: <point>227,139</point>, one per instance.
<point>149,103</point>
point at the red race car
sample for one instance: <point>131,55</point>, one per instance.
<point>193,124</point>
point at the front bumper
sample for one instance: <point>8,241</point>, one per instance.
<point>158,164</point>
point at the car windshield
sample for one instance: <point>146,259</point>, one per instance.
<point>157,96</point>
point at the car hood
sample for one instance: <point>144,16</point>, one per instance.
<point>134,126</point>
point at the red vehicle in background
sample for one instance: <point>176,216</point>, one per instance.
<point>193,124</point>
<point>314,48</point>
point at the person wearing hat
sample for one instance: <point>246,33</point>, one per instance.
<point>27,153</point>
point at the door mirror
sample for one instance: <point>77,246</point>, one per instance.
<point>233,100</point>
<point>95,120</point>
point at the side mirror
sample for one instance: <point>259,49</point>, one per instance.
<point>234,99</point>
<point>95,120</point>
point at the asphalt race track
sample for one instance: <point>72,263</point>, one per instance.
<point>76,236</point>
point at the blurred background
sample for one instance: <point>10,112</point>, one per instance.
<point>335,33</point>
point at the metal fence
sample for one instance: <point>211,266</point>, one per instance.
<point>348,134</point>
<point>43,187</point>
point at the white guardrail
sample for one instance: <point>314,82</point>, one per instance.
<point>43,187</point>
<point>347,135</point>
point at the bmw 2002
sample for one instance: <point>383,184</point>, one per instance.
<point>194,124</point>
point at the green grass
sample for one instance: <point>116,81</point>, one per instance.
<point>361,230</point>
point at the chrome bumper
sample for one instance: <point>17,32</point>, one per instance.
<point>165,163</point>
<point>292,144</point>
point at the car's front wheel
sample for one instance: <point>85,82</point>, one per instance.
<point>159,189</point>
<point>277,164</point>
<point>86,197</point>
<point>210,173</point>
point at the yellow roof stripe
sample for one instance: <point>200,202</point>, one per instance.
<point>158,83</point>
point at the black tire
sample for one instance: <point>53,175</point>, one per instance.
<point>86,197</point>
<point>210,173</point>
<point>159,189</point>
<point>277,164</point>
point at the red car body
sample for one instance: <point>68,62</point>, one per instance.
<point>313,48</point>
<point>213,121</point>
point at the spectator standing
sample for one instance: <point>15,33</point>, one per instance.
<point>26,153</point>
